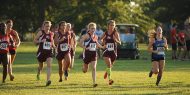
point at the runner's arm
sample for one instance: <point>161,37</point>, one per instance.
<point>17,39</point>
<point>36,39</point>
<point>117,38</point>
<point>165,44</point>
<point>81,41</point>
<point>151,41</point>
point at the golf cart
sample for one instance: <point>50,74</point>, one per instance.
<point>129,44</point>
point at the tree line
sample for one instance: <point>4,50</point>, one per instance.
<point>28,15</point>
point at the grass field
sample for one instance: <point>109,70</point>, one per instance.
<point>130,76</point>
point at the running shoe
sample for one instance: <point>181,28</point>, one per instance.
<point>60,80</point>
<point>48,82</point>
<point>12,77</point>
<point>95,85</point>
<point>111,82</point>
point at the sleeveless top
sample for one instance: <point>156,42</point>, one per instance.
<point>64,45</point>
<point>91,43</point>
<point>109,42</point>
<point>4,44</point>
<point>159,46</point>
<point>47,45</point>
<point>12,40</point>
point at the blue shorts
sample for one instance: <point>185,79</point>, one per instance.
<point>157,58</point>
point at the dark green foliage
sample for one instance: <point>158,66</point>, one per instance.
<point>28,15</point>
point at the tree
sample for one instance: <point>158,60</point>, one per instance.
<point>167,10</point>
<point>31,13</point>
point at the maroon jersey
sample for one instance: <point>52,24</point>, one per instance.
<point>47,45</point>
<point>111,48</point>
<point>12,40</point>
<point>64,46</point>
<point>110,42</point>
<point>4,44</point>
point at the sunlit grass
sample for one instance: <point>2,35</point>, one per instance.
<point>130,76</point>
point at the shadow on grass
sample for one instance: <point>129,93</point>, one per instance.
<point>68,86</point>
<point>141,65</point>
<point>100,89</point>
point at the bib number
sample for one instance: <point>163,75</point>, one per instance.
<point>92,47</point>
<point>110,46</point>
<point>3,46</point>
<point>64,47</point>
<point>160,50</point>
<point>13,44</point>
<point>47,45</point>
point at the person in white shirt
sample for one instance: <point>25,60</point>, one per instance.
<point>99,32</point>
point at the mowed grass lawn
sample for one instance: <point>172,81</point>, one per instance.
<point>130,76</point>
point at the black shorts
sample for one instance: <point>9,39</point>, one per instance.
<point>12,52</point>
<point>89,56</point>
<point>174,46</point>
<point>110,54</point>
<point>188,45</point>
<point>42,56</point>
<point>157,58</point>
<point>61,55</point>
<point>4,59</point>
<point>180,44</point>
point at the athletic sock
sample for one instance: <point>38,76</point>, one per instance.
<point>158,80</point>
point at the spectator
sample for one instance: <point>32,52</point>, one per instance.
<point>83,32</point>
<point>181,43</point>
<point>174,41</point>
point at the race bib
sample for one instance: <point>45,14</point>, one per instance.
<point>13,44</point>
<point>160,50</point>
<point>110,46</point>
<point>3,46</point>
<point>64,47</point>
<point>47,45</point>
<point>92,47</point>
